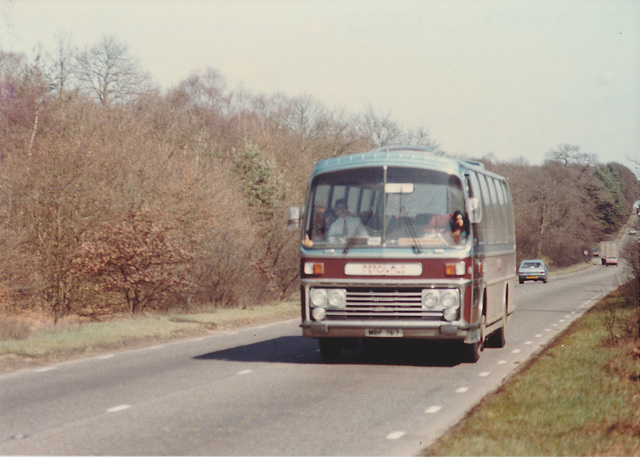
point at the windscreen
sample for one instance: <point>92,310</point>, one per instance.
<point>397,207</point>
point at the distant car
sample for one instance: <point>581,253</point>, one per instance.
<point>532,270</point>
<point>611,260</point>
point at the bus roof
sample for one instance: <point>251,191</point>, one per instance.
<point>400,156</point>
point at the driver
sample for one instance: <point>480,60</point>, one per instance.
<point>346,225</point>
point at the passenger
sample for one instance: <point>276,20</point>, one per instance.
<point>459,227</point>
<point>346,225</point>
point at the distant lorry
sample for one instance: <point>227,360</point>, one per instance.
<point>609,253</point>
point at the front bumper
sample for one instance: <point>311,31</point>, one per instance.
<point>412,330</point>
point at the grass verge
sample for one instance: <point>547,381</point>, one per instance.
<point>580,396</point>
<point>68,341</point>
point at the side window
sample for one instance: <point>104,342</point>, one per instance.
<point>475,192</point>
<point>498,200</point>
<point>509,213</point>
<point>488,210</point>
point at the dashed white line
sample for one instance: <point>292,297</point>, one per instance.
<point>245,371</point>
<point>433,409</point>
<point>107,356</point>
<point>539,335</point>
<point>118,408</point>
<point>516,351</point>
<point>45,369</point>
<point>461,390</point>
<point>528,342</point>
<point>502,362</point>
<point>396,435</point>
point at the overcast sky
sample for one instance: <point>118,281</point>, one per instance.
<point>513,78</point>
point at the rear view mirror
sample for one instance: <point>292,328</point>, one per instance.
<point>293,219</point>
<point>474,210</point>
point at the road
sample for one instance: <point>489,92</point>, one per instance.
<point>266,391</point>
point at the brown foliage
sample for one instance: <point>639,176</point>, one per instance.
<point>143,258</point>
<point>114,198</point>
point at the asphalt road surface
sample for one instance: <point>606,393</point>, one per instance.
<point>266,391</point>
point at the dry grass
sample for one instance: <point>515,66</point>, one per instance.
<point>29,344</point>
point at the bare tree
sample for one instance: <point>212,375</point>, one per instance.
<point>60,70</point>
<point>205,90</point>
<point>108,72</point>
<point>381,130</point>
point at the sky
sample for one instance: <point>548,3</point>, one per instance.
<point>511,78</point>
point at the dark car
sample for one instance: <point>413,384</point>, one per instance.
<point>532,270</point>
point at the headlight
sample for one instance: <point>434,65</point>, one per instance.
<point>449,298</point>
<point>430,298</point>
<point>337,298</point>
<point>318,314</point>
<point>328,298</point>
<point>445,300</point>
<point>450,314</point>
<point>318,297</point>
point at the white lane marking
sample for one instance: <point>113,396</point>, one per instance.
<point>547,329</point>
<point>528,342</point>
<point>155,348</point>
<point>45,369</point>
<point>461,390</point>
<point>516,351</point>
<point>502,362</point>
<point>108,356</point>
<point>245,371</point>
<point>561,320</point>
<point>396,435</point>
<point>118,408</point>
<point>484,374</point>
<point>539,335</point>
<point>433,409</point>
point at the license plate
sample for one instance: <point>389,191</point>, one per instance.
<point>531,277</point>
<point>384,332</point>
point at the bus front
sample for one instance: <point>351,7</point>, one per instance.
<point>387,252</point>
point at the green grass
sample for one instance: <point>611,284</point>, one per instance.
<point>69,340</point>
<point>578,397</point>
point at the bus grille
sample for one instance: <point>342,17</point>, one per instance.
<point>383,303</point>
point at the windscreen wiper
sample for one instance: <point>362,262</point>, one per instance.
<point>416,244</point>
<point>352,241</point>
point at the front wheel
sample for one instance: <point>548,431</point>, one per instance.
<point>471,352</point>
<point>498,339</point>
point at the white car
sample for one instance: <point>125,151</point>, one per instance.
<point>532,270</point>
